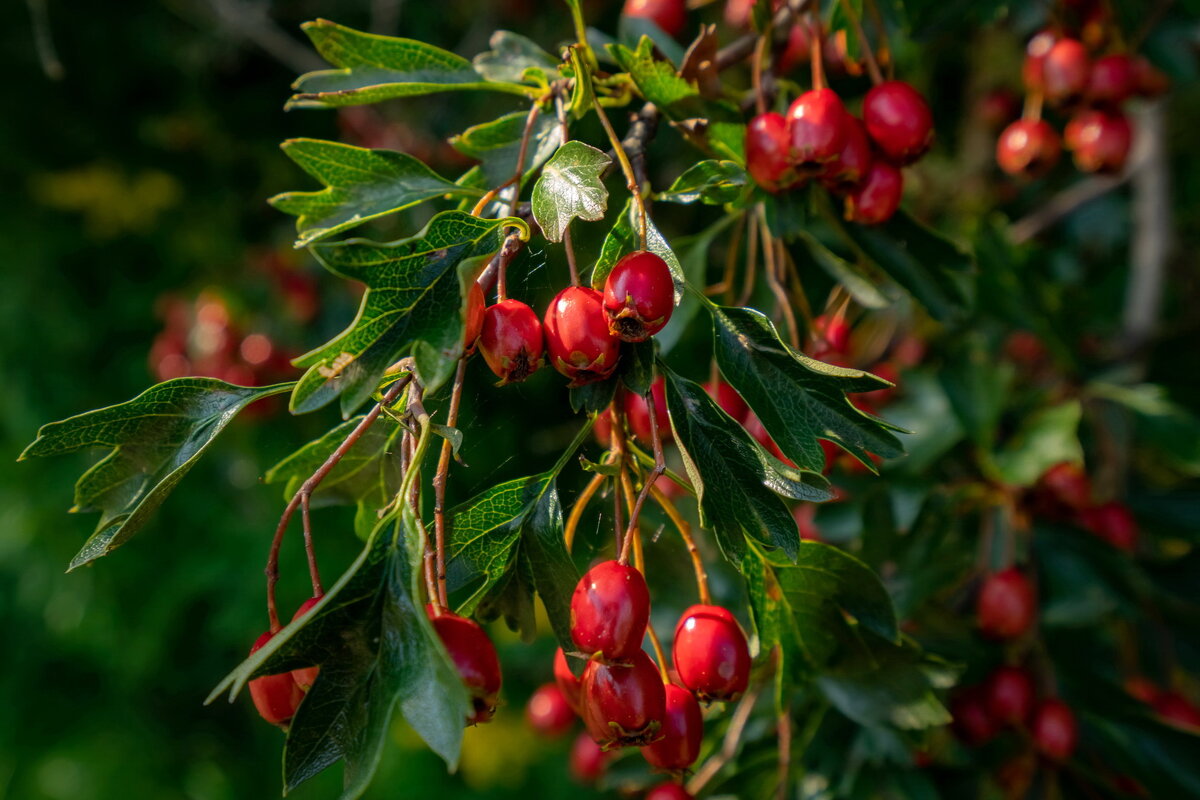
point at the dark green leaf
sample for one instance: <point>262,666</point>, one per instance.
<point>511,55</point>
<point>977,386</point>
<point>553,573</point>
<point>892,689</point>
<point>625,238</point>
<point>155,438</point>
<point>1046,437</point>
<point>570,187</point>
<point>1170,429</point>
<point>632,30</point>
<point>498,143</point>
<point>636,369</point>
<point>594,397</point>
<point>710,182</point>
<point>862,287</point>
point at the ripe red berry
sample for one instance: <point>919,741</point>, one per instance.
<point>1006,606</point>
<point>972,722</point>
<point>305,677</point>
<point>670,15</point>
<point>1177,709</point>
<point>710,653</point>
<point>899,121</point>
<point>639,296</point>
<point>668,791</point>
<point>768,152</point>
<point>511,340</point>
<point>1035,58</point>
<point>1149,80</point>
<point>549,712</point>
<point>682,730</point>
<point>805,515</point>
<point>637,413</point>
<point>275,696</point>
<point>578,341</point>
<point>728,399</point>
<point>476,305</point>
<point>1065,71</point>
<point>1113,79</point>
<point>623,706</point>
<point>609,611</point>
<point>817,122</point>
<point>877,198</point>
<point>566,680</point>
<point>1068,484</point>
<point>1028,148</point>
<point>798,49</point>
<point>848,170</point>
<point>829,334</point>
<point>1100,140</point>
<point>1009,695</point>
<point>1114,523</point>
<point>587,759</point>
<point>474,656</point>
<point>1054,730</point>
<point>1142,689</point>
<point>999,107</point>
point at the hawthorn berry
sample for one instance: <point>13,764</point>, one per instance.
<point>639,296</point>
<point>1065,71</point>
<point>578,341</point>
<point>1006,606</point>
<point>877,198</point>
<point>476,306</point>
<point>305,677</point>
<point>1177,709</point>
<point>1149,80</point>
<point>728,399</point>
<point>798,49</point>
<point>637,413</point>
<point>1009,695</point>
<point>549,712</point>
<point>668,791</point>
<point>1114,523</point>
<point>1142,689</point>
<point>624,704</point>
<point>829,334</point>
<point>999,107</point>
<point>1028,148</point>
<point>511,340</point>
<point>474,657</point>
<point>682,732</point>
<point>710,653</point>
<point>1036,51</point>
<point>1068,484</point>
<point>609,611</point>
<point>1099,140</point>
<point>670,15</point>
<point>1113,79</point>
<point>898,121</point>
<point>275,696</point>
<point>849,168</point>
<point>768,152</point>
<point>971,721</point>
<point>1055,733</point>
<point>587,760</point>
<point>566,680</point>
<point>817,123</point>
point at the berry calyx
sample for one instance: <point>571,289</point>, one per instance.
<point>1055,733</point>
<point>710,653</point>
<point>473,319</point>
<point>305,677</point>
<point>877,198</point>
<point>639,296</point>
<point>587,759</point>
<point>1114,523</point>
<point>972,722</point>
<point>623,705</point>
<point>511,340</point>
<point>1113,79</point>
<point>1006,606</point>
<point>1100,140</point>
<point>566,680</point>
<point>474,657</point>
<point>578,341</point>
<point>817,122</point>
<point>549,712</point>
<point>670,15</point>
<point>668,791</point>
<point>1028,148</point>
<point>849,168</point>
<point>1009,695</point>
<point>898,121</point>
<point>609,611</point>
<point>768,152</point>
<point>1065,71</point>
<point>682,732</point>
<point>275,696</point>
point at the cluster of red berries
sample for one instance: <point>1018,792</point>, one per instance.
<point>1065,492</point>
<point>1008,699</point>
<point>582,329</point>
<point>1061,72</point>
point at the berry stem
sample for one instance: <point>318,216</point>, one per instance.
<point>729,745</point>
<point>1033,106</point>
<point>781,295</point>
<point>784,728</point>
<point>443,470</point>
<point>884,46</point>
<point>618,458</point>
<point>751,264</point>
<point>314,573</point>
<point>685,533</point>
<point>660,466</point>
<point>741,48</point>
<point>816,37</point>
<point>731,253</point>
<point>631,180</point>
<point>561,113</point>
<point>860,32</point>
<point>756,66</point>
<point>577,510</point>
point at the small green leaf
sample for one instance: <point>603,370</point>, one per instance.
<point>892,689</point>
<point>155,438</point>
<point>511,57</point>
<point>497,144</point>
<point>1046,437</point>
<point>593,397</point>
<point>570,187</point>
<point>625,238</point>
<point>977,387</point>
<point>636,369</point>
<point>710,182</point>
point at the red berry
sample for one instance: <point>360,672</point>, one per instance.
<point>587,759</point>
<point>670,15</point>
<point>566,680</point>
<point>999,107</point>
<point>476,306</point>
<point>639,296</point>
<point>682,730</point>
<point>817,122</point>
<point>1100,140</point>
<point>1114,523</point>
<point>1035,58</point>
<point>275,696</point>
<point>637,414</point>
<point>1149,80</point>
<point>710,653</point>
<point>848,170</point>
<point>830,334</point>
<point>623,706</point>
<point>899,121</point>
<point>305,677</point>
<point>1054,730</point>
<point>1065,71</point>
<point>737,13</point>
<point>1177,709</point>
<point>1142,689</point>
<point>876,200</point>
<point>578,341</point>
<point>728,399</point>
<point>972,722</point>
<point>1113,79</point>
<point>1009,695</point>
<point>1069,485</point>
<point>768,158</point>
<point>805,515</point>
<point>609,611</point>
<point>1028,148</point>
<point>549,711</point>
<point>798,49</point>
<point>668,791</point>
<point>474,656</point>
<point>511,340</point>
<point>1006,606</point>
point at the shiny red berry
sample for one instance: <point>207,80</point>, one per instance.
<point>1006,606</point>
<point>668,791</point>
<point>578,341</point>
<point>566,680</point>
<point>971,721</point>
<point>1113,79</point>
<point>682,732</point>
<point>768,152</point>
<point>1009,695</point>
<point>1028,148</point>
<point>609,611</point>
<point>1177,709</point>
<point>476,306</point>
<point>728,399</point>
<point>275,696</point>
<point>1099,140</point>
<point>549,712</point>
<point>817,122</point>
<point>475,657</point>
<point>623,705</point>
<point>639,296</point>
<point>511,340</point>
<point>1036,51</point>
<point>849,169</point>
<point>710,653</point>
<point>1114,523</point>
<point>1068,484</point>
<point>898,121</point>
<point>670,15</point>
<point>877,198</point>
<point>1054,730</point>
<point>305,677</point>
<point>587,759</point>
<point>1065,71</point>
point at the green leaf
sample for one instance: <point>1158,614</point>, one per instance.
<point>862,287</point>
<point>413,294</point>
<point>625,238</point>
<point>694,263</point>
<point>892,689</point>
<point>1168,428</point>
<point>710,182</point>
<point>155,438</point>
<point>371,68</point>
<point>497,144</point>
<point>737,482</point>
<point>1046,437</point>
<point>636,369</point>
<point>570,187</point>
<point>511,55</point>
<point>594,397</point>
<point>583,93</point>
<point>631,30</point>
<point>798,399</point>
<point>361,185</point>
<point>977,386</point>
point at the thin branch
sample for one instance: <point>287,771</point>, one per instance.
<point>251,22</point>
<point>751,265</point>
<point>1063,204</point>
<point>741,49</point>
<point>439,480</point>
<point>685,533</point>
<point>314,574</point>
<point>729,746</point>
<point>868,50</point>
<point>1152,236</point>
<point>660,465</point>
<point>43,40</point>
<point>781,295</point>
<point>639,561</point>
<point>561,112</point>
<point>577,510</point>
<point>784,727</point>
<point>631,178</point>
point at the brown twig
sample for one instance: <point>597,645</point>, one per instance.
<point>631,178</point>
<point>868,50</point>
<point>577,510</point>
<point>729,745</point>
<point>751,265</point>
<point>439,480</point>
<point>781,295</point>
<point>740,49</point>
<point>660,465</point>
<point>639,561</point>
<point>784,728</point>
